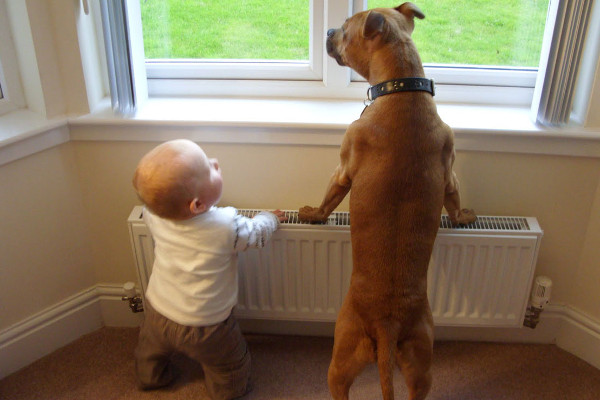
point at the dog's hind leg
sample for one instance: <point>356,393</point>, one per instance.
<point>414,358</point>
<point>352,351</point>
<point>386,346</point>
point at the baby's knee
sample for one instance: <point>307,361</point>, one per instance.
<point>229,381</point>
<point>154,375</point>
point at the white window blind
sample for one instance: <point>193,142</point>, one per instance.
<point>566,30</point>
<point>126,88</point>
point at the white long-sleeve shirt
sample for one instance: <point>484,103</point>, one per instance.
<point>194,278</point>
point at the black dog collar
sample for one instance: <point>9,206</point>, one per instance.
<point>401,85</point>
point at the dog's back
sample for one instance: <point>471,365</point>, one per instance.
<point>396,201</point>
<point>398,182</point>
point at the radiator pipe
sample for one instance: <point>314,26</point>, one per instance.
<point>540,295</point>
<point>131,296</point>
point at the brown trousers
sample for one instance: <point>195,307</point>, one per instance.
<point>221,350</point>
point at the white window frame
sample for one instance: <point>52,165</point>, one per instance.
<point>311,70</point>
<point>321,77</point>
<point>10,79</point>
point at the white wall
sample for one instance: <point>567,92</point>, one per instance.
<point>44,235</point>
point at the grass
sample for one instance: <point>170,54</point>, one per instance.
<point>478,32</point>
<point>217,29</point>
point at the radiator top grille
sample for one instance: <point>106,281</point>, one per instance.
<point>342,219</point>
<point>495,223</point>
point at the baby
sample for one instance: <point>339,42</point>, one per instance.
<point>194,282</point>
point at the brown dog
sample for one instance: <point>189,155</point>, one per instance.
<point>397,158</point>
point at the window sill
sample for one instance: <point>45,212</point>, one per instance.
<point>288,122</point>
<point>323,122</point>
<point>23,132</point>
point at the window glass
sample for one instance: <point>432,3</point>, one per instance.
<point>505,33</point>
<point>226,29</point>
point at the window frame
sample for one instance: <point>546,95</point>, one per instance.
<point>321,77</point>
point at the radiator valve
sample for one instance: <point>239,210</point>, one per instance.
<point>131,296</point>
<point>540,295</point>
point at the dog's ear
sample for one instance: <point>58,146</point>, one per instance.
<point>373,25</point>
<point>410,10</point>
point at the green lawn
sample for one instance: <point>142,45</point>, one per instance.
<point>255,29</point>
<point>480,32</point>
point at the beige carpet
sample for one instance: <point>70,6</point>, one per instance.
<point>100,366</point>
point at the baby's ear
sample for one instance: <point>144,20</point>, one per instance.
<point>197,207</point>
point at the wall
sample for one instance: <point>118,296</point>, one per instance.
<point>44,236</point>
<point>584,293</point>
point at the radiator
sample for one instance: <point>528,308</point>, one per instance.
<point>479,275</point>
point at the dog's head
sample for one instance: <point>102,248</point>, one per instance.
<point>366,32</point>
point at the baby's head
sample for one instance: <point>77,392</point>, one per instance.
<point>176,180</point>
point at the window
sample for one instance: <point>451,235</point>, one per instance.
<point>489,43</point>
<point>479,52</point>
<point>505,33</point>
<point>260,30</point>
<point>232,39</point>
<point>485,43</point>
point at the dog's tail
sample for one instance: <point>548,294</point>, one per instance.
<point>387,338</point>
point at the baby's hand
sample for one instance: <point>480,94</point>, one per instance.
<point>280,215</point>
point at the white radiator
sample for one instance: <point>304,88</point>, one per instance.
<point>479,275</point>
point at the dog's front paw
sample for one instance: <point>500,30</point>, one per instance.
<point>464,217</point>
<point>311,214</point>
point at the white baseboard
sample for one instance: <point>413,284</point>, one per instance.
<point>579,334</point>
<point>48,330</point>
<point>545,332</point>
<point>101,305</point>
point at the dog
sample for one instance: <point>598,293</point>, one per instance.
<point>397,158</point>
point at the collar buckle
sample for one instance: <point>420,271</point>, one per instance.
<point>367,102</point>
